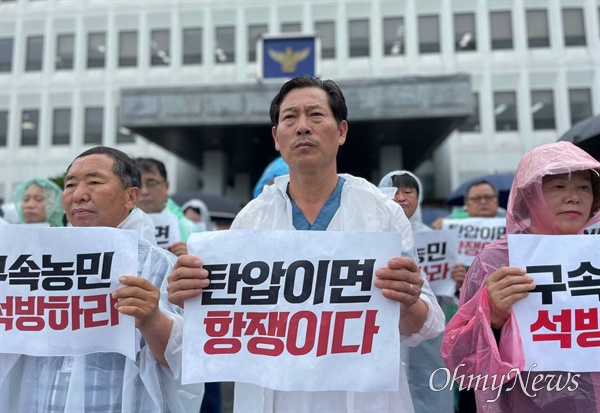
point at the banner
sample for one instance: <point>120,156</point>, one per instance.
<point>293,310</point>
<point>437,254</point>
<point>558,321</point>
<point>166,229</point>
<point>56,285</point>
<point>474,234</point>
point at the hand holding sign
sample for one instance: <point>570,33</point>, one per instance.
<point>506,286</point>
<point>187,279</point>
<point>458,274</point>
<point>139,299</point>
<point>400,281</point>
<point>179,248</point>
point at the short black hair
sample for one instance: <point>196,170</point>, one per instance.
<point>405,181</point>
<point>150,164</point>
<point>481,182</point>
<point>335,96</point>
<point>124,167</point>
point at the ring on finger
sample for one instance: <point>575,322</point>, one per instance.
<point>411,289</point>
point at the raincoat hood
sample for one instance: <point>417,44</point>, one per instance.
<point>416,221</point>
<point>276,168</point>
<point>527,210</point>
<point>195,203</point>
<point>52,200</point>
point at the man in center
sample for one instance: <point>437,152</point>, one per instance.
<point>309,126</point>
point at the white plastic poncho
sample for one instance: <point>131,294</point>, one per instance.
<point>421,361</point>
<point>102,382</point>
<point>363,208</point>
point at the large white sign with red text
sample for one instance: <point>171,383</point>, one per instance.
<point>474,234</point>
<point>293,310</point>
<point>558,321</point>
<point>55,290</point>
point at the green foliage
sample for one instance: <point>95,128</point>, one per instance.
<point>58,180</point>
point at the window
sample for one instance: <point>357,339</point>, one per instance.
<point>538,34</point>
<point>128,45</point>
<point>472,123</point>
<point>192,46</point>
<point>96,50</point>
<point>225,46</point>
<point>124,135</point>
<point>574,27</point>
<point>291,27</point>
<point>429,34</point>
<point>393,36</point>
<point>160,50</point>
<point>505,109</point>
<point>359,38</point>
<point>254,32</point>
<point>93,126</point>
<point>61,126</point>
<point>465,33</point>
<point>501,28</point>
<point>65,48</point>
<point>326,31</point>
<point>6,51</point>
<point>29,127</point>
<point>3,127</point>
<point>580,101</point>
<point>35,53</point>
<point>542,109</point>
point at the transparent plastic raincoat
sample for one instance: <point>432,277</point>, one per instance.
<point>363,208</point>
<point>52,200</point>
<point>421,361</point>
<point>103,382</point>
<point>470,344</point>
<point>186,226</point>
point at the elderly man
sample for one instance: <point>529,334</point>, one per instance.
<point>154,199</point>
<point>309,126</point>
<point>101,189</point>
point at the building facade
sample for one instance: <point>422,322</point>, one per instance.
<point>534,67</point>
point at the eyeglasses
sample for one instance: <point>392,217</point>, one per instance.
<point>152,183</point>
<point>480,198</point>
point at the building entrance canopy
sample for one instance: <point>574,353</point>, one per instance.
<point>416,113</point>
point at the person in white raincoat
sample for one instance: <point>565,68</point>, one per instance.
<point>101,186</point>
<point>309,125</point>
<point>420,361</point>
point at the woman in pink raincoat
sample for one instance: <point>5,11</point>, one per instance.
<point>556,190</point>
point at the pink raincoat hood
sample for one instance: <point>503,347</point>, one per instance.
<point>526,199</point>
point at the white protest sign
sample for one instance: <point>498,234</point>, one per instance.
<point>474,234</point>
<point>56,285</point>
<point>593,229</point>
<point>293,310</point>
<point>437,254</point>
<point>558,321</point>
<point>166,229</point>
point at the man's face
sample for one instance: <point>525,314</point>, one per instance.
<point>33,206</point>
<point>408,199</point>
<point>481,201</point>
<point>153,193</point>
<point>93,196</point>
<point>307,134</point>
<point>569,198</point>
